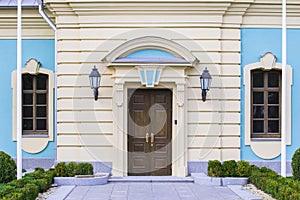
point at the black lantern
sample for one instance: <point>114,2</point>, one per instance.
<point>95,79</point>
<point>205,81</point>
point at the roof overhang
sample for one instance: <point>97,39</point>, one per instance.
<point>25,3</point>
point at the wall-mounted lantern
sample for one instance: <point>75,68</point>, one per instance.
<point>205,81</point>
<point>95,79</point>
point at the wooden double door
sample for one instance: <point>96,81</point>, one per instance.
<point>149,132</point>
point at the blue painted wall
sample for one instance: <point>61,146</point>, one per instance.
<point>43,51</point>
<point>256,42</point>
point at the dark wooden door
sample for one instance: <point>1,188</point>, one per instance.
<point>149,132</point>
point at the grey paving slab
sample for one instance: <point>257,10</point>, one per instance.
<point>78,193</point>
<point>61,192</point>
<point>152,191</point>
<point>246,194</point>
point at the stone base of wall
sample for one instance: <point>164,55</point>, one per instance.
<point>32,163</point>
<point>106,167</point>
<point>274,165</point>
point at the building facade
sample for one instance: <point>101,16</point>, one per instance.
<point>149,118</point>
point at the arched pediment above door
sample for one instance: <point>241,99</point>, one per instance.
<point>163,51</point>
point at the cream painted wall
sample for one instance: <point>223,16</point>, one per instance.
<point>87,32</point>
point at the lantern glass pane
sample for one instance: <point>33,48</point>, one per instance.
<point>91,82</point>
<point>204,84</point>
<point>201,82</point>
<point>209,83</point>
<point>99,82</point>
<point>95,82</point>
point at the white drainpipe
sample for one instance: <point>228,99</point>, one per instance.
<point>284,93</point>
<point>19,90</point>
<point>52,25</point>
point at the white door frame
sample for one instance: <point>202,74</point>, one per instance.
<point>173,78</point>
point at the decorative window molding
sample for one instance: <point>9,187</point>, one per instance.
<point>259,146</point>
<point>34,143</point>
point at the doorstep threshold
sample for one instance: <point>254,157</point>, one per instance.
<point>150,179</point>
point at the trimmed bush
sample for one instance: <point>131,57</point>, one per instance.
<point>243,169</point>
<point>28,187</point>
<point>30,191</point>
<point>263,178</point>
<point>71,169</point>
<point>229,168</point>
<point>296,164</point>
<point>84,168</point>
<point>8,168</point>
<point>214,168</point>
<point>61,169</point>
<point>274,184</point>
<point>6,189</point>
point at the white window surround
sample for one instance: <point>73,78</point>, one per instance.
<point>34,143</point>
<point>259,146</point>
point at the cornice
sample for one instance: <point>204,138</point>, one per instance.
<point>219,13</point>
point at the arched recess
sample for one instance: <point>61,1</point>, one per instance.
<point>150,42</point>
<point>126,76</point>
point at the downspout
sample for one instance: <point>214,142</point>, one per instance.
<point>52,25</point>
<point>19,90</point>
<point>284,92</point>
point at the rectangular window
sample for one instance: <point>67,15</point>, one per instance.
<point>265,104</point>
<point>34,104</point>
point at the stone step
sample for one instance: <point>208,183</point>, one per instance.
<point>150,179</point>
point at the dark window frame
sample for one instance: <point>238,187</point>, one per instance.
<point>265,89</point>
<point>34,91</point>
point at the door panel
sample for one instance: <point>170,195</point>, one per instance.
<point>149,132</point>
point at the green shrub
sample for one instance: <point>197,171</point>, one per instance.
<point>14,196</point>
<point>39,169</point>
<point>7,168</point>
<point>243,168</point>
<point>61,169</point>
<point>41,183</point>
<point>296,164</point>
<point>71,169</point>
<point>47,176</point>
<point>5,189</point>
<point>28,187</point>
<point>274,184</point>
<point>18,183</point>
<point>214,168</point>
<point>229,168</point>
<point>30,191</point>
<point>84,168</point>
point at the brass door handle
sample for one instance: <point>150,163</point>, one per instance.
<point>152,139</point>
<point>147,137</point>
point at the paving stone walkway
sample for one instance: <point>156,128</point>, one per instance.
<point>152,191</point>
